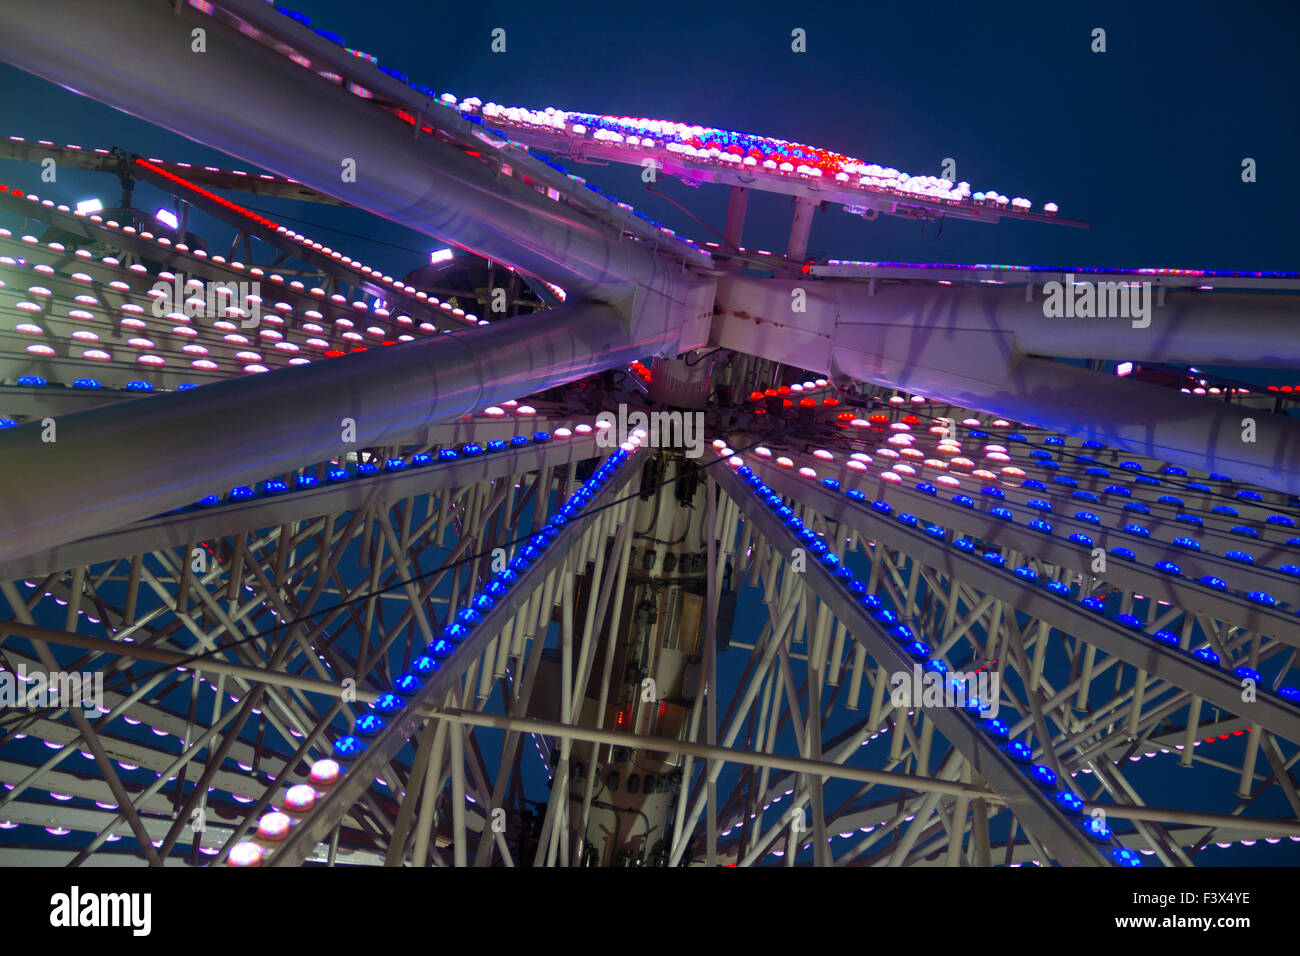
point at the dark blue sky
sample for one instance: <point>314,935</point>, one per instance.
<point>1144,141</point>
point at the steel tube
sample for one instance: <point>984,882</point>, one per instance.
<point>119,463</point>
<point>242,98</point>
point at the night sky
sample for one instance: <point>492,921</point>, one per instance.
<point>1144,141</point>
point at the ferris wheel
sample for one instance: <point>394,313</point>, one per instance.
<point>583,543</point>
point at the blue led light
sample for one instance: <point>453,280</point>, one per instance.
<point>1033,485</point>
<point>992,557</point>
<point>1167,637</point>
<point>830,558</point>
<point>1244,531</point>
<point>1195,520</point>
<point>1261,597</point>
<point>1282,520</point>
<point>519,563</point>
<point>484,602</point>
<point>907,519</point>
<point>1170,500</point>
<point>966,501</point>
<point>471,450</point>
<point>496,444</point>
<point>936,666</point>
<point>406,685</point>
<point>1225,510</point>
<point>1168,567</point>
<point>1040,504</point>
<point>367,468</point>
<point>1087,516</point>
<point>1065,480</point>
<point>1045,776</point>
<point>993,492</point>
<point>388,703</point>
<point>1130,620</point>
<point>1291,569</point>
<point>936,531</point>
<point>1138,507</point>
<point>528,552</point>
<point>1087,496</point>
<point>1146,480</point>
<point>1069,802</point>
<point>455,632</point>
<point>870,602</point>
<point>185,386</point>
<point>1053,440</point>
<point>1125,857</point>
<point>337,474</point>
<point>918,649</point>
<point>1246,673</point>
<point>207,501</point>
<point>468,617</point>
<point>1174,470</point>
<point>1094,604</point>
<point>1029,574</point>
<point>885,616</point>
<point>519,441</point>
<point>1097,472</point>
<point>243,491</point>
<point>1118,490</point>
<point>1059,587</point>
<point>965,544</point>
<point>882,506</point>
<point>1020,751</point>
<point>139,386</point>
<point>1247,495</point>
<point>540,437</point>
<point>1240,556</point>
<point>818,547</point>
<point>368,725</point>
<point>441,648</point>
<point>927,489</point>
<point>856,495</point>
<point>1080,538</point>
<point>307,481</point>
<point>348,748</point>
<point>996,727</point>
<point>1290,693</point>
<point>394,464</point>
<point>1191,544</point>
<point>1215,476</point>
<point>1140,530</point>
<point>1124,553</point>
<point>1003,513</point>
<point>857,587</point>
<point>86,383</point>
<point>1096,829</point>
<point>831,483</point>
<point>275,487</point>
<point>902,633</point>
<point>1038,524</point>
<point>424,665</point>
<point>448,454</point>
